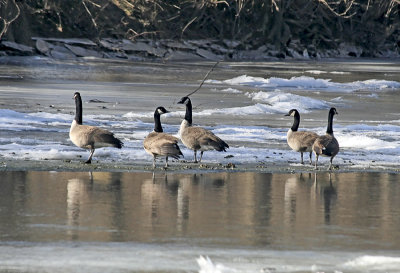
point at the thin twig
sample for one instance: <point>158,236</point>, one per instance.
<point>344,13</point>
<point>90,14</point>
<point>7,23</point>
<point>187,25</point>
<point>202,82</point>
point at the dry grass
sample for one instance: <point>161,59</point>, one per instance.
<point>314,23</point>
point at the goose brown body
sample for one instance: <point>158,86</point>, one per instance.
<point>200,139</point>
<point>158,143</point>
<point>90,137</point>
<point>327,145</point>
<point>300,141</point>
<point>197,138</point>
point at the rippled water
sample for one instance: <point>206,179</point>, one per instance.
<point>249,222</point>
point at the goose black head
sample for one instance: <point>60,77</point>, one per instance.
<point>333,111</point>
<point>77,95</point>
<point>184,100</point>
<point>161,110</point>
<point>291,113</point>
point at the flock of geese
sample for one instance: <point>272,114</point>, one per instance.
<point>160,144</point>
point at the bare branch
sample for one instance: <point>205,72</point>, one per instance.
<point>90,14</point>
<point>136,34</point>
<point>205,78</point>
<point>187,25</point>
<point>344,13</point>
<point>8,22</point>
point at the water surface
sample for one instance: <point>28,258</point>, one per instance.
<point>164,222</point>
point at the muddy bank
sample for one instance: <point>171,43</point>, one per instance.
<point>181,167</point>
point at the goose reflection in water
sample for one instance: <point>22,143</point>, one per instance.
<point>328,192</point>
<point>82,196</point>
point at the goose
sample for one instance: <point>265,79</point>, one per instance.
<point>326,145</point>
<point>300,141</point>
<point>90,137</point>
<point>158,143</point>
<point>197,138</point>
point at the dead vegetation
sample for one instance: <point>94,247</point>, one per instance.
<point>372,25</point>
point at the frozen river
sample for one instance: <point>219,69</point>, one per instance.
<point>243,103</point>
<point>269,214</point>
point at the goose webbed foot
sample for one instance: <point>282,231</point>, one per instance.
<point>89,161</point>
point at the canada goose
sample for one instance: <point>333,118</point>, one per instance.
<point>326,145</point>
<point>197,138</point>
<point>158,143</point>
<point>90,137</point>
<point>300,141</point>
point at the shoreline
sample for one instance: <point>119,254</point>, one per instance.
<point>182,167</point>
<point>164,50</point>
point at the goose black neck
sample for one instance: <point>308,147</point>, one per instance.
<point>78,112</point>
<point>157,122</point>
<point>188,115</point>
<point>296,122</point>
<point>329,129</point>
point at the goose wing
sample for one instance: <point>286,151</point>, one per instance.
<point>204,139</point>
<point>103,137</point>
<point>86,136</point>
<point>301,141</point>
<point>326,145</point>
<point>162,144</point>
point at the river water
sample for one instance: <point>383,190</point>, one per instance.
<point>171,222</point>
<point>286,219</point>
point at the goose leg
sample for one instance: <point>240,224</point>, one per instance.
<point>330,165</point>
<point>201,156</point>
<point>166,162</point>
<point>316,161</point>
<point>195,156</point>
<point>154,162</point>
<point>302,162</point>
<point>310,158</point>
<point>89,161</point>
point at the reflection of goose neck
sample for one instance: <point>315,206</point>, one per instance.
<point>188,115</point>
<point>296,121</point>
<point>78,112</point>
<point>157,122</point>
<point>329,129</point>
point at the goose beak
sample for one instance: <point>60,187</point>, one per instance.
<point>182,100</point>
<point>287,115</point>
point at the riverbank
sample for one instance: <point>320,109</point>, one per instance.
<point>185,167</point>
<point>172,50</point>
